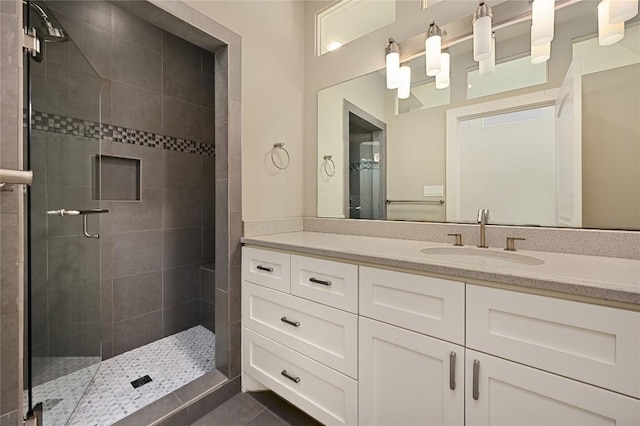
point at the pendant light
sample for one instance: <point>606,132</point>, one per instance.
<point>393,64</point>
<point>488,66</point>
<point>482,32</point>
<point>608,33</point>
<point>542,21</point>
<point>540,53</point>
<point>443,78</point>
<point>622,10</point>
<point>433,49</point>
<point>404,81</point>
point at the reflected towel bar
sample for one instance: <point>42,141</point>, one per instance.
<point>437,202</point>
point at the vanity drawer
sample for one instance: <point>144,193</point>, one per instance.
<point>325,334</point>
<point>324,281</point>
<point>323,393</point>
<point>428,305</point>
<point>268,268</point>
<point>594,344</point>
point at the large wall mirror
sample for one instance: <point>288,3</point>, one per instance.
<point>553,144</point>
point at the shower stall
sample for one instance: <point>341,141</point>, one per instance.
<point>120,282</point>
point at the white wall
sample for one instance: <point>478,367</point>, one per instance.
<point>368,94</point>
<point>272,93</point>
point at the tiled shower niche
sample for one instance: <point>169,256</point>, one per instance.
<point>116,178</point>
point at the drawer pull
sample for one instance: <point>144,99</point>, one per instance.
<point>293,379</point>
<point>317,281</point>
<point>452,370</point>
<point>264,268</point>
<point>293,323</point>
<point>476,373</point>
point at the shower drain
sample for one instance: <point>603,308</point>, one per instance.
<point>141,381</point>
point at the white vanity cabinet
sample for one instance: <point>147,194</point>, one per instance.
<point>304,350</point>
<point>353,344</point>
<point>408,378</point>
<point>506,393</point>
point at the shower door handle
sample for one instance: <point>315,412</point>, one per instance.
<point>84,213</point>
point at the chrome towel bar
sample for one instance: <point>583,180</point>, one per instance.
<point>15,177</point>
<point>438,202</point>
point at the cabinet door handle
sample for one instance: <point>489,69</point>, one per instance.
<point>452,370</point>
<point>264,268</point>
<point>317,281</point>
<point>293,323</point>
<point>293,379</point>
<point>476,374</point>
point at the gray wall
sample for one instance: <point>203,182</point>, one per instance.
<point>151,250</point>
<point>10,218</point>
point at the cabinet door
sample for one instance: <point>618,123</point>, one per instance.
<point>406,378</point>
<point>506,393</point>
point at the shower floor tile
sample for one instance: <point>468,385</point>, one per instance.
<point>171,363</point>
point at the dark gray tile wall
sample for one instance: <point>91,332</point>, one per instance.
<point>147,274</point>
<point>10,224</point>
<point>155,81</point>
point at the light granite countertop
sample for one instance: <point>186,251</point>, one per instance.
<point>587,276</point>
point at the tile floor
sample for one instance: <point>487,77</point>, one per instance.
<point>256,409</point>
<point>171,362</point>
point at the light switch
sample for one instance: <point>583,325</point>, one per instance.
<point>434,191</point>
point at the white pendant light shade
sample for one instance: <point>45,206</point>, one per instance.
<point>541,53</point>
<point>543,20</point>
<point>404,86</point>
<point>482,33</point>
<point>443,78</point>
<point>608,33</point>
<point>393,64</point>
<point>488,66</point>
<point>433,49</point>
<point>622,10</point>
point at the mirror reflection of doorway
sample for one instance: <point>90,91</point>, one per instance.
<point>365,186</point>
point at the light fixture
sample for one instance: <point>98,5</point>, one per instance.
<point>443,77</point>
<point>433,49</point>
<point>622,10</point>
<point>482,32</point>
<point>333,46</point>
<point>542,21</point>
<point>488,66</point>
<point>540,53</point>
<point>608,33</point>
<point>393,64</point>
<point>404,81</point>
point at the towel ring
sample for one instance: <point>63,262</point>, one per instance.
<point>328,161</point>
<point>280,145</point>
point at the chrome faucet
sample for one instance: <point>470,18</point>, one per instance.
<point>483,219</point>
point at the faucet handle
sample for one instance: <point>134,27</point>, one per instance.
<point>458,239</point>
<point>511,243</point>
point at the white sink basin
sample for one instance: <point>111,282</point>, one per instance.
<point>481,257</point>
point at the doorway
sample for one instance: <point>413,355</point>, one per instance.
<point>365,155</point>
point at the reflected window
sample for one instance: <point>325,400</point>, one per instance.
<point>347,20</point>
<point>595,58</point>
<point>429,3</point>
<point>510,75</point>
<point>424,95</point>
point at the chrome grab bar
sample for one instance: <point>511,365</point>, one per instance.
<point>84,213</point>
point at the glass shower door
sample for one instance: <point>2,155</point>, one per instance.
<point>62,143</point>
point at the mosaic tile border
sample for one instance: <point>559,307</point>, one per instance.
<point>108,132</point>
